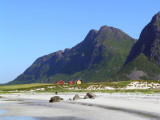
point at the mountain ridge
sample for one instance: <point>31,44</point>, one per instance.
<point>100,55</point>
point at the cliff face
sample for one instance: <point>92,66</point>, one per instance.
<point>99,56</point>
<point>143,62</point>
<point>149,42</point>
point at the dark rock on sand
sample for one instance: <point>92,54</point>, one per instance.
<point>86,97</point>
<point>55,99</point>
<point>62,99</point>
<point>90,95</point>
<point>70,99</point>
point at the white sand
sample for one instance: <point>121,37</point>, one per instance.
<point>104,107</point>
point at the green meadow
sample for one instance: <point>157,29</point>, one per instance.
<point>41,87</point>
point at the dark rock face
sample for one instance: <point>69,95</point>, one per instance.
<point>55,99</point>
<point>99,56</point>
<point>149,42</point>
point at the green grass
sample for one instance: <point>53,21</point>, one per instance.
<point>22,86</point>
<point>82,87</point>
<point>141,91</point>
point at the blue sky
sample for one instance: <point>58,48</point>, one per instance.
<point>33,28</point>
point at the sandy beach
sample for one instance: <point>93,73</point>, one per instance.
<point>117,106</point>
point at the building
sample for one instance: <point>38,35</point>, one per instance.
<point>60,82</point>
<point>70,82</point>
<point>78,82</point>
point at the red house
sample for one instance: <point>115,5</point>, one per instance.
<point>60,82</point>
<point>70,82</point>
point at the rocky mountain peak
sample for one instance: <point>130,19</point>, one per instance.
<point>156,17</point>
<point>156,22</point>
<point>105,28</point>
<point>92,34</point>
<point>149,42</point>
<point>93,31</point>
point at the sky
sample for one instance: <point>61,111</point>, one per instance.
<point>32,28</point>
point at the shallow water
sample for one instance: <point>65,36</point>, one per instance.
<point>35,118</point>
<point>40,118</point>
<point>12,117</point>
<point>17,118</point>
<point>2,111</point>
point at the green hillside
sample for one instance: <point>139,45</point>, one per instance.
<point>138,69</point>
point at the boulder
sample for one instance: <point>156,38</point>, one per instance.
<point>1,97</point>
<point>86,97</point>
<point>62,99</point>
<point>90,95</point>
<point>55,99</point>
<point>70,99</point>
<point>76,97</point>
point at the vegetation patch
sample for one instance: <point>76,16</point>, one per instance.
<point>107,87</point>
<point>141,64</point>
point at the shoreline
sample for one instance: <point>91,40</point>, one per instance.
<point>117,105</point>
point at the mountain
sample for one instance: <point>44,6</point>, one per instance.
<point>99,56</point>
<point>143,62</point>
